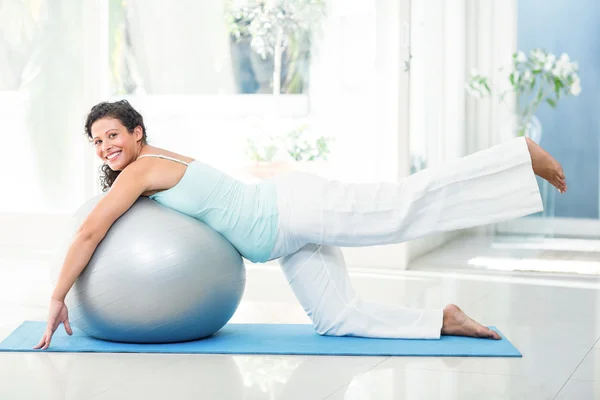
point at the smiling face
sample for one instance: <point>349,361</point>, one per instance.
<point>114,144</point>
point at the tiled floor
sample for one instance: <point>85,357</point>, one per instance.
<point>554,321</point>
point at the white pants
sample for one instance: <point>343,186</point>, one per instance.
<point>318,215</point>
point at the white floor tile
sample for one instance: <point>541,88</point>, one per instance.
<point>552,333</point>
<point>161,376</point>
<point>589,370</point>
<point>386,382</point>
<point>534,304</point>
<point>510,254</point>
<point>537,361</point>
<point>580,390</point>
<point>301,377</point>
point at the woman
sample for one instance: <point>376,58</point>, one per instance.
<point>301,219</point>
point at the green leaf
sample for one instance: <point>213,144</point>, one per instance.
<point>551,102</point>
<point>512,78</point>
<point>487,87</point>
<point>539,96</point>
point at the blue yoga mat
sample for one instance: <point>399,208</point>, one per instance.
<point>289,339</point>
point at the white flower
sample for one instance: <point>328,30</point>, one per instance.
<point>474,90</point>
<point>527,76</point>
<point>521,57</point>
<point>557,72</point>
<point>575,65</point>
<point>566,65</point>
<point>538,55</point>
<point>564,57</point>
<point>563,68</point>
<point>549,62</point>
<point>575,88</point>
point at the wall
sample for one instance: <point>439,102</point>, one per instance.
<point>570,132</point>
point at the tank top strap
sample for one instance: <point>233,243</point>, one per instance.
<point>164,157</point>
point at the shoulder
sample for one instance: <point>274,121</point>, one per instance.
<point>157,154</point>
<point>140,167</point>
<point>159,173</point>
<point>138,174</point>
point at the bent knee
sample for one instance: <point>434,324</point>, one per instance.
<point>339,329</point>
<point>323,331</point>
<point>341,325</point>
<point>327,327</point>
<point>327,332</point>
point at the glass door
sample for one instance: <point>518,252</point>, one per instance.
<point>570,131</point>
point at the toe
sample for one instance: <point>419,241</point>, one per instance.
<point>483,332</point>
<point>490,334</point>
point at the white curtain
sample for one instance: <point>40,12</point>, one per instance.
<point>180,47</point>
<point>20,26</point>
<point>41,98</point>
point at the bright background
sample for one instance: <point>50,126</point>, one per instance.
<point>383,80</point>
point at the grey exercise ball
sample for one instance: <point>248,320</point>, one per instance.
<point>158,276</point>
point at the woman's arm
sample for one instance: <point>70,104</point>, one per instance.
<point>131,183</point>
<point>126,189</point>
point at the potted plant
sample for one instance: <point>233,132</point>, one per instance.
<point>538,78</point>
<point>270,43</point>
<point>262,153</point>
<point>297,150</point>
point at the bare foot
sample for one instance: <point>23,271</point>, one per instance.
<point>456,323</point>
<point>546,167</point>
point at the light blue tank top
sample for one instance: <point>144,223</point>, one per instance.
<point>246,215</point>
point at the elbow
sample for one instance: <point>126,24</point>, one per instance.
<point>90,234</point>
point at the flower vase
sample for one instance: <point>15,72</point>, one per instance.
<point>533,130</point>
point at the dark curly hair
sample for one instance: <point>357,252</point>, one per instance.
<point>128,116</point>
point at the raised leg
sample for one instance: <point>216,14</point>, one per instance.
<point>492,185</point>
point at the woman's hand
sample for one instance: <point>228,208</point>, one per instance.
<point>131,183</point>
<point>57,314</point>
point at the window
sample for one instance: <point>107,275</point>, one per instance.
<point>204,76</point>
<point>340,110</point>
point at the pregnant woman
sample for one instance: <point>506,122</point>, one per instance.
<point>302,220</point>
